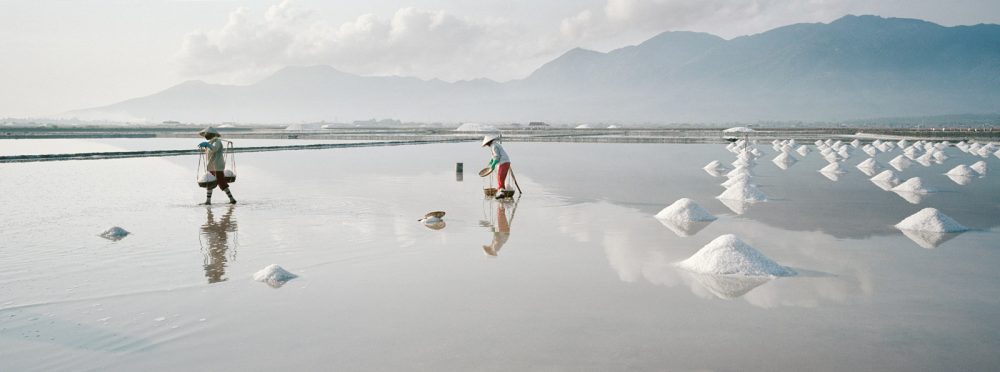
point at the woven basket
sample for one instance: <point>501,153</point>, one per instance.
<point>490,191</point>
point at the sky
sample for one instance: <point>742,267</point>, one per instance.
<point>62,55</point>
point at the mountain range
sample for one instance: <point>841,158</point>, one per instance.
<point>854,67</point>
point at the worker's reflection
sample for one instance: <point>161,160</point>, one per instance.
<point>500,227</point>
<point>216,236</point>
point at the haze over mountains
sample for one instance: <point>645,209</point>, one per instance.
<point>855,67</point>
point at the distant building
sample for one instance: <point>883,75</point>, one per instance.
<point>537,124</point>
<point>171,122</point>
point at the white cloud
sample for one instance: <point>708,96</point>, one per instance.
<point>412,42</point>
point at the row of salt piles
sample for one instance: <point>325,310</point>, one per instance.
<point>740,191</point>
<point>785,148</point>
<point>978,149</point>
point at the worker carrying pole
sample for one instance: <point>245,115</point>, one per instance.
<point>500,160</point>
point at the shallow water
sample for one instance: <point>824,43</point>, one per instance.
<point>583,281</point>
<point>71,146</point>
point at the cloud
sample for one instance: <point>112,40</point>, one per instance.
<point>726,18</point>
<point>412,42</point>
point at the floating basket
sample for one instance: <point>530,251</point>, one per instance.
<point>490,191</point>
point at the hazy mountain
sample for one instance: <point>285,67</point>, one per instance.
<point>854,67</point>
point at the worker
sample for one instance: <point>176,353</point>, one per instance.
<point>499,159</point>
<point>215,163</point>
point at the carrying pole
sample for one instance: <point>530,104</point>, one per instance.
<point>515,180</point>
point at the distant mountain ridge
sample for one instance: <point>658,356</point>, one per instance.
<point>854,67</point>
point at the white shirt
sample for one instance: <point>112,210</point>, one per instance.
<point>498,152</point>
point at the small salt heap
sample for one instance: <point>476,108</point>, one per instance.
<point>931,220</point>
<point>714,165</point>
<point>802,150</point>
<point>685,217</point>
<point>913,185</point>
<point>961,170</point>
<point>900,162</point>
<point>887,176</point>
<point>739,170</point>
<point>685,209</point>
<point>979,167</point>
<point>114,233</point>
<point>869,163</point>
<point>835,168</point>
<point>784,160</point>
<point>739,178</point>
<point>274,276</point>
<point>728,255</point>
<point>743,191</point>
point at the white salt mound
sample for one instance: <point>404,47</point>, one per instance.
<point>114,233</point>
<point>900,162</point>
<point>740,178</point>
<point>714,165</point>
<point>886,176</point>
<point>914,185</point>
<point>274,275</point>
<point>476,127</point>
<point>744,192</point>
<point>869,163</point>
<point>836,167</point>
<point>207,178</point>
<point>685,209</point>
<point>979,167</point>
<point>784,157</point>
<point>961,170</point>
<point>728,255</point>
<point>931,220</point>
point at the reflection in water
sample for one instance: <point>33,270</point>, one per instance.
<point>884,185</point>
<point>961,180</point>
<point>831,176</point>
<point>726,287</point>
<point>928,239</point>
<point>216,235</point>
<point>737,206</point>
<point>870,171</point>
<point>499,224</point>
<point>912,197</point>
<point>684,228</point>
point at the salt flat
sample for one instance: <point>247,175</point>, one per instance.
<point>586,279</point>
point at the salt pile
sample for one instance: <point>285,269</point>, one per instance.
<point>836,167</point>
<point>714,165</point>
<point>802,150</point>
<point>855,143</point>
<point>900,162</point>
<point>887,176</point>
<point>685,209</point>
<point>913,185</point>
<point>784,160</point>
<point>870,150</point>
<point>739,170</point>
<point>740,178</point>
<point>728,255</point>
<point>960,180</point>
<point>979,167</point>
<point>114,233</point>
<point>476,127</point>
<point>274,275</point>
<point>931,220</point>
<point>207,178</point>
<point>961,170</point>
<point>869,163</point>
<point>743,191</point>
